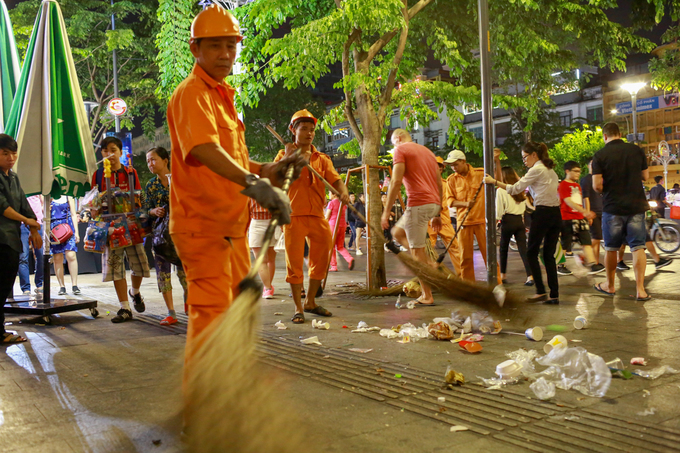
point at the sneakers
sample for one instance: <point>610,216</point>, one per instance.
<point>168,321</point>
<point>38,291</point>
<point>268,293</point>
<point>75,290</point>
<point>622,266</point>
<point>529,282</point>
<point>562,270</point>
<point>596,269</point>
<point>27,293</point>
<point>359,252</point>
<point>663,262</point>
<point>138,301</point>
<point>62,291</point>
<point>122,316</point>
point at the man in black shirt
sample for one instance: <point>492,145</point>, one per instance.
<point>592,201</point>
<point>618,171</point>
<point>361,207</point>
<point>14,210</point>
<point>658,194</point>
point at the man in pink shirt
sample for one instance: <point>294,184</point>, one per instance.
<point>415,166</point>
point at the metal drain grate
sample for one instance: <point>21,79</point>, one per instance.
<point>506,415</point>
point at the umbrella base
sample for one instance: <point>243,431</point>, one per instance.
<point>27,305</point>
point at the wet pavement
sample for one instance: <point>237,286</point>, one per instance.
<point>83,384</point>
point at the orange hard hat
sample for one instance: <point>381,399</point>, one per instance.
<point>440,161</point>
<point>301,114</point>
<point>215,22</point>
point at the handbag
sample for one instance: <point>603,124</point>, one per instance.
<point>162,244</point>
<point>281,243</point>
<point>61,233</point>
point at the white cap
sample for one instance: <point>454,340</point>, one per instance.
<point>454,156</point>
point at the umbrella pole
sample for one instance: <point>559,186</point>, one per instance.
<point>47,231</point>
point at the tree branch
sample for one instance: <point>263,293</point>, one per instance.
<point>348,96</point>
<point>386,96</point>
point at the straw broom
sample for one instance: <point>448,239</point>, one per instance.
<point>231,403</point>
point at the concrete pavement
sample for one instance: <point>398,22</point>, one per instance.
<point>82,385</point>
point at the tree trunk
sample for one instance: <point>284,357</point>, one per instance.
<point>370,148</point>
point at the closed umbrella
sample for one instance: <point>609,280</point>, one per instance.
<point>9,65</point>
<point>48,120</point>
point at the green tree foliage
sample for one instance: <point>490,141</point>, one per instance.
<point>275,108</point>
<point>579,146</point>
<point>174,57</point>
<point>665,69</point>
<point>88,25</point>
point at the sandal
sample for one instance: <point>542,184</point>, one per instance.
<point>298,318</point>
<point>319,310</point>
<point>168,321</point>
<point>599,289</point>
<point>10,338</point>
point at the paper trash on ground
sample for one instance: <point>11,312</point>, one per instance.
<point>311,340</point>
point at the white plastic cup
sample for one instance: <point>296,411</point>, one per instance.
<point>534,333</point>
<point>508,369</point>
<point>557,342</point>
<point>580,322</point>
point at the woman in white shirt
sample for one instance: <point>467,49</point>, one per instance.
<point>510,210</point>
<point>546,220</point>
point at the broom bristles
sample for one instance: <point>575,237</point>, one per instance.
<point>232,405</point>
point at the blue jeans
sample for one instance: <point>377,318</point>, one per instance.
<point>353,236</point>
<point>619,228</point>
<point>24,272</point>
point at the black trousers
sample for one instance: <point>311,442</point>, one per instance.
<point>9,266</point>
<point>546,223</point>
<point>513,225</point>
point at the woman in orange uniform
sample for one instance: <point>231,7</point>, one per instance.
<point>307,200</point>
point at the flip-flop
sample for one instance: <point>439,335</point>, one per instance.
<point>642,299</point>
<point>599,289</point>
<point>11,338</point>
<point>423,304</point>
<point>319,310</point>
<point>298,318</point>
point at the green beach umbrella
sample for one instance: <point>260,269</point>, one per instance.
<point>9,65</point>
<point>48,119</point>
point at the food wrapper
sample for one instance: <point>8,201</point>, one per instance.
<point>440,330</point>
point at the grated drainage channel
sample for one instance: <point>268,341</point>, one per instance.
<point>506,415</point>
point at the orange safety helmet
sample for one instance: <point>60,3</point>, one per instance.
<point>215,22</point>
<point>439,160</point>
<point>298,115</point>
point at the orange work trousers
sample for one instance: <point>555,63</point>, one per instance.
<point>320,237</point>
<point>447,232</point>
<point>214,266</point>
<point>467,251</point>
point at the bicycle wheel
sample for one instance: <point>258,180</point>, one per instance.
<point>667,238</point>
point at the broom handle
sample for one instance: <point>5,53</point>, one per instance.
<point>460,225</point>
<point>327,184</point>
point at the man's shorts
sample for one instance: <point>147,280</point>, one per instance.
<point>415,221</point>
<point>596,227</point>
<point>113,266</point>
<point>576,229</point>
<point>256,234</point>
<point>619,228</point>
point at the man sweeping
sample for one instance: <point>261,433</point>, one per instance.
<point>307,200</point>
<point>210,169</point>
<point>416,167</point>
<point>447,232</point>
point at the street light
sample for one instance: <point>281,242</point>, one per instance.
<point>633,89</point>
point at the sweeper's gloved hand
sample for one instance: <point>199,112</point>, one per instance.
<point>272,198</point>
<point>276,171</point>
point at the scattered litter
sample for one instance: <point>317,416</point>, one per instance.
<point>555,328</point>
<point>320,325</point>
<point>572,417</point>
<point>379,370</point>
<point>279,325</point>
<point>62,328</point>
<point>156,442</point>
<point>463,336</point>
<point>388,333</point>
<point>311,340</point>
<point>496,327</point>
<point>85,375</point>
<point>578,369</point>
<point>646,393</point>
<point>363,351</point>
<point>475,337</point>
<point>440,330</point>
<point>412,289</point>
<point>467,325</point>
<point>398,376</point>
<point>557,342</point>
<point>534,333</point>
<point>524,358</point>
<point>345,327</point>
<point>655,373</point>
<point>363,327</point>
<point>456,428</point>
<point>108,312</point>
<point>650,411</point>
<point>38,324</point>
<point>618,369</point>
<point>576,341</point>
<point>482,322</point>
<point>499,293</point>
<point>413,332</point>
<point>454,377</point>
<point>638,361</point>
<point>495,383</point>
<point>404,339</point>
<point>278,313</point>
<point>399,304</point>
<point>441,399</point>
<point>543,389</point>
<point>470,346</point>
<point>410,305</point>
<point>508,369</point>
<point>580,322</point>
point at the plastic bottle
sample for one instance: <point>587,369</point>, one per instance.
<point>399,304</point>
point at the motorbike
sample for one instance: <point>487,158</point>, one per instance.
<point>664,232</point>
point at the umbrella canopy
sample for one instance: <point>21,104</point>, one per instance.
<point>48,119</point>
<point>9,65</point>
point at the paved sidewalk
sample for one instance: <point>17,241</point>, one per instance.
<point>82,385</point>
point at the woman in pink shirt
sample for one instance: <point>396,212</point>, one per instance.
<point>332,210</point>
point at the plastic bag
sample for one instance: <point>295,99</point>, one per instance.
<point>482,322</point>
<point>657,372</point>
<point>543,389</point>
<point>496,383</point>
<point>162,244</point>
<point>525,359</point>
<point>412,332</point>
<point>388,333</point>
<point>119,235</point>
<point>440,330</point>
<point>91,200</point>
<point>578,369</point>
